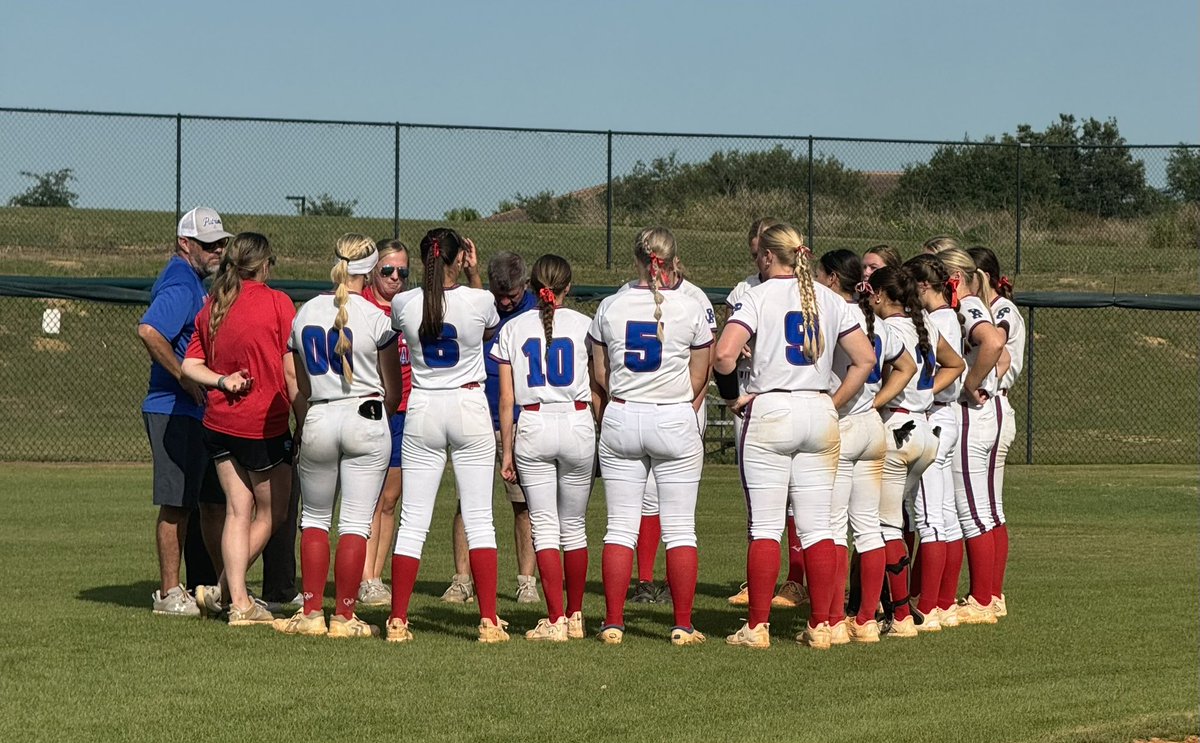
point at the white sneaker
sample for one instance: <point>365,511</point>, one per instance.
<point>177,603</point>
<point>208,599</point>
<point>527,592</point>
<point>547,631</point>
<point>461,590</point>
<point>374,593</point>
<point>758,636</point>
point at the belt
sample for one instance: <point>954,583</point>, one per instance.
<point>900,410</point>
<point>579,405</point>
<point>371,396</point>
<point>471,386</point>
<point>620,400</point>
<point>937,404</point>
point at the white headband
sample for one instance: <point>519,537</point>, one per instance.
<point>363,266</point>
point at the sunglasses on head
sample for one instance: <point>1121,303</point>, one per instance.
<point>387,272</point>
<point>213,246</point>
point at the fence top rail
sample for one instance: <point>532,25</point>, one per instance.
<point>590,132</point>
<point>136,290</point>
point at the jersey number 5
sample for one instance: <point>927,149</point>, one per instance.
<point>443,352</point>
<point>793,332</point>
<point>643,348</point>
<point>319,354</point>
<point>560,371</point>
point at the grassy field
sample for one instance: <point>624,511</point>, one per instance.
<point>1100,644</point>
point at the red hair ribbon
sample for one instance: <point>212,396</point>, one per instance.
<point>657,261</point>
<point>546,294</point>
<point>435,248</point>
<point>804,250</point>
<point>953,283</point>
<point>864,287</point>
<point>1005,282</point>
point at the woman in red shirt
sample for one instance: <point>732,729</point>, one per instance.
<point>239,352</point>
<point>389,278</point>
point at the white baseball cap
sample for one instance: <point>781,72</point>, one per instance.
<point>202,224</point>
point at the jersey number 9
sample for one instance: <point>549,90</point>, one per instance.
<point>319,354</point>
<point>643,348</point>
<point>794,331</point>
<point>560,371</point>
<point>443,352</point>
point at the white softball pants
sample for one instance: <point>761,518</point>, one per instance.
<point>902,468</point>
<point>650,496</point>
<point>338,443</point>
<point>555,455</point>
<point>788,452</point>
<point>856,491</point>
<point>933,512</point>
<point>1008,434</point>
<point>972,464</point>
<point>637,439</point>
<point>437,420</point>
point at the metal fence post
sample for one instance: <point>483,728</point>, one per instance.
<point>178,166</point>
<point>396,186</point>
<point>810,230</point>
<point>608,209</point>
<point>1029,389</point>
<point>1020,211</point>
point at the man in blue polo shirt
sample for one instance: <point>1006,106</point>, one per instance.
<point>174,407</point>
<point>508,280</point>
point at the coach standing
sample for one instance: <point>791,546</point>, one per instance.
<point>174,406</point>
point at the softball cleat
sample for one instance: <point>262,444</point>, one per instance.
<point>758,636</point>
<point>742,597</point>
<point>864,633</point>
<point>611,634</point>
<point>397,630</point>
<point>790,595</point>
<point>311,625</point>
<point>547,631</point>
<point>681,636</point>
<point>903,628</point>
<point>817,638</point>
<point>339,626</point>
<point>491,632</point>
<point>575,626</point>
<point>970,612</point>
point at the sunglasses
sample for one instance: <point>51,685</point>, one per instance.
<point>212,247</point>
<point>387,272</point>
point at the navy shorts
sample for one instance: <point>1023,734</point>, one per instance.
<point>396,423</point>
<point>254,455</point>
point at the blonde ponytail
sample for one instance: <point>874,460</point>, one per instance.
<point>654,249</point>
<point>814,342</point>
<point>350,247</point>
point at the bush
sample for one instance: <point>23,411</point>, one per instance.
<point>461,214</point>
<point>327,206</point>
<point>50,190</point>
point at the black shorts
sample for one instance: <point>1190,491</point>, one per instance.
<point>254,455</point>
<point>183,473</point>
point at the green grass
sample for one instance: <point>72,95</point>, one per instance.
<point>1100,645</point>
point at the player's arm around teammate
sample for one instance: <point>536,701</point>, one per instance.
<point>789,445</point>
<point>446,325</point>
<point>543,364</point>
<point>348,370</point>
<point>651,355</point>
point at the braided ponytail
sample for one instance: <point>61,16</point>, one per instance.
<point>439,248</point>
<point>549,279</point>
<point>654,249</point>
<point>787,246</point>
<point>350,247</point>
<point>912,304</point>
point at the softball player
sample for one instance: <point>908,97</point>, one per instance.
<point>911,443</point>
<point>941,552</point>
<point>791,593</point>
<point>1008,319</point>
<point>878,256</point>
<point>979,428</point>
<point>446,409</point>
<point>789,444</point>
<point>856,492</point>
<point>348,371</point>
<point>543,358</point>
<point>650,527</point>
<point>651,358</point>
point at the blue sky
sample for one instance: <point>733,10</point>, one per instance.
<point>930,70</point>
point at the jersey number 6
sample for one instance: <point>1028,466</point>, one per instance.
<point>319,354</point>
<point>443,352</point>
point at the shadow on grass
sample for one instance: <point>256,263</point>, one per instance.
<point>132,595</point>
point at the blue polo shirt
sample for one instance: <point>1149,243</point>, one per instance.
<point>175,298</point>
<point>492,385</point>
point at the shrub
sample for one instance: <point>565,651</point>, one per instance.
<point>327,206</point>
<point>1183,173</point>
<point>461,214</point>
<point>50,189</point>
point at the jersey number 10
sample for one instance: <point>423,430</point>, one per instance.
<point>560,371</point>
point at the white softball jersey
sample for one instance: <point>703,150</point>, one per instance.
<point>976,313</point>
<point>887,349</point>
<point>561,378</point>
<point>771,312</point>
<point>691,290</point>
<point>315,338</point>
<point>946,322</point>
<point>641,367</point>
<point>1009,317</point>
<point>455,359</point>
<point>917,396</point>
<point>734,301</point>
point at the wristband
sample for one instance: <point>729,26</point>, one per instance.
<point>727,384</point>
<point>221,384</point>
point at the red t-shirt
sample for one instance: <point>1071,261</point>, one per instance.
<point>253,336</point>
<point>405,360</point>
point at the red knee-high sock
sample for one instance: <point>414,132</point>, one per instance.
<point>762,568</point>
<point>683,567</point>
<point>314,567</point>
<point>819,567</point>
<point>575,564</point>
<point>872,565</point>
<point>948,593</point>
<point>616,565</point>
<point>1000,540</point>
<point>649,535</point>
<point>483,571</point>
<point>795,554</point>
<point>404,578</point>
<point>981,558</point>
<point>933,562</point>
<point>550,567</point>
<point>837,602</point>
<point>897,577</point>
<point>914,563</point>
<point>347,572</point>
